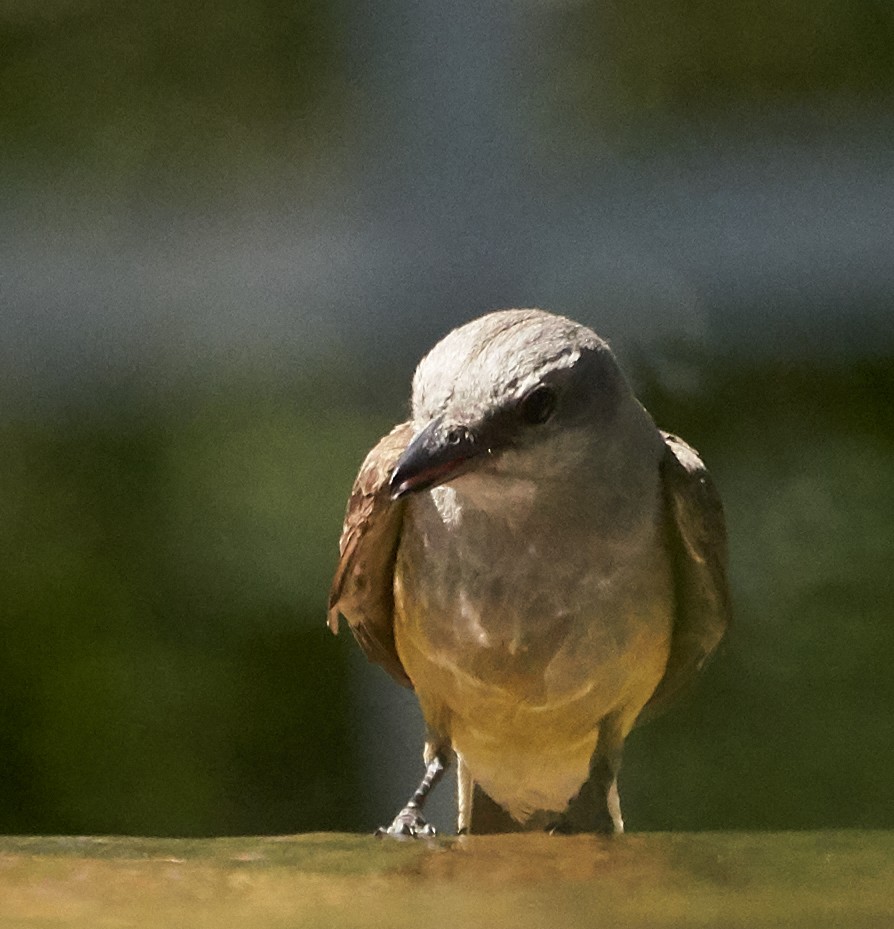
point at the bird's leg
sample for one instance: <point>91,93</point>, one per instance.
<point>409,821</point>
<point>465,790</point>
<point>597,806</point>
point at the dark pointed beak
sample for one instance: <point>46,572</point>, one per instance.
<point>435,455</point>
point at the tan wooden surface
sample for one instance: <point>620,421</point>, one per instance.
<point>809,879</point>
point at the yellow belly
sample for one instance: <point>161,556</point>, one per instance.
<point>526,722</point>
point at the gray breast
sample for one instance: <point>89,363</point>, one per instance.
<point>506,595</point>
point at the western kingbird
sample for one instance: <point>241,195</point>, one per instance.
<point>539,562</point>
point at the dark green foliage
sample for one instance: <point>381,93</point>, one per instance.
<point>141,92</point>
<point>165,666</point>
<point>680,59</point>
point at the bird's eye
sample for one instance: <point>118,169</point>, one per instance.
<point>456,435</point>
<point>537,407</point>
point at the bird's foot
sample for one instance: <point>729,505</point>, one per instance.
<point>408,824</point>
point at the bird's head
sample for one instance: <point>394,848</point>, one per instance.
<point>518,392</point>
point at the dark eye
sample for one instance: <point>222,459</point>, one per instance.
<point>456,435</point>
<point>537,407</point>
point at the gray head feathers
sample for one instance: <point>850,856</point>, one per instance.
<point>496,359</point>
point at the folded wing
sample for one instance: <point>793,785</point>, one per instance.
<point>697,539</point>
<point>363,587</point>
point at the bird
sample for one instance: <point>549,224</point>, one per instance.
<point>540,563</point>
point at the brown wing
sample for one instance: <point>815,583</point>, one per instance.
<point>697,537</point>
<point>362,590</point>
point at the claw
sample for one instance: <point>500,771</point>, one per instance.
<point>408,823</point>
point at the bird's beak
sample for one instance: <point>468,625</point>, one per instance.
<point>435,455</point>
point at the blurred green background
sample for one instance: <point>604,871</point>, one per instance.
<point>226,235</point>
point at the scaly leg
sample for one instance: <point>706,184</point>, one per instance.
<point>409,821</point>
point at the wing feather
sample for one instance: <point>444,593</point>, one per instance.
<point>363,587</point>
<point>697,537</point>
